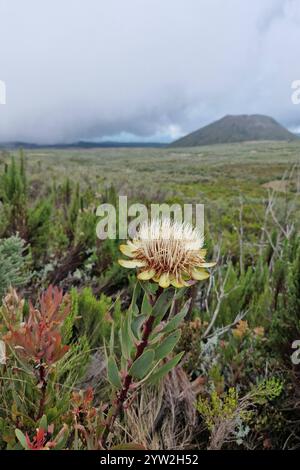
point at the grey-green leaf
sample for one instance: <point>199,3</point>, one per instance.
<point>136,293</point>
<point>163,303</point>
<point>43,423</point>
<point>175,322</point>
<point>180,293</point>
<point>61,444</point>
<point>126,336</point>
<point>112,339</point>
<point>21,438</point>
<point>149,288</point>
<point>142,365</point>
<point>113,372</point>
<point>146,306</point>
<point>165,369</point>
<point>167,345</point>
<point>137,325</point>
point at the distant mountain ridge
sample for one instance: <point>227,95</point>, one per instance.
<point>228,129</point>
<point>236,128</point>
<point>82,144</point>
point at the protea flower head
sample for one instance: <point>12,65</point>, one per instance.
<point>167,252</point>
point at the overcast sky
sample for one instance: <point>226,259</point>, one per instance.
<point>154,69</point>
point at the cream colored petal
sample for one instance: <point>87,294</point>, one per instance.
<point>140,264</point>
<point>184,281</point>
<point>126,263</point>
<point>207,265</point>
<point>127,250</point>
<point>146,275</point>
<point>164,280</point>
<point>132,245</point>
<point>178,284</point>
<point>200,275</point>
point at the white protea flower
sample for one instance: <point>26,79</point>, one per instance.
<point>167,252</point>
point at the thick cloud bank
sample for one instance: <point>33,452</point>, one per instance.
<point>88,69</point>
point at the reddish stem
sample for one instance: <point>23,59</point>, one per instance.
<point>43,381</point>
<point>122,395</point>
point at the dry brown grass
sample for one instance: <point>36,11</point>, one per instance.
<point>164,417</point>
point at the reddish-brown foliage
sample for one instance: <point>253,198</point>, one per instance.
<point>38,337</point>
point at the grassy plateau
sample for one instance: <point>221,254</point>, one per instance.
<point>236,385</point>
